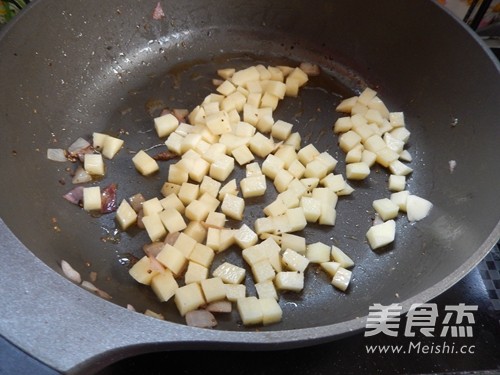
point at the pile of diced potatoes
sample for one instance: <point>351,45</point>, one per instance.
<point>370,135</point>
<point>234,127</point>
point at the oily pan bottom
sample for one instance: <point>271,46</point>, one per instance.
<point>124,82</point>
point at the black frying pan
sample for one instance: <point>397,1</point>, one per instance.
<point>72,68</point>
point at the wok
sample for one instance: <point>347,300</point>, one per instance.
<point>72,68</point>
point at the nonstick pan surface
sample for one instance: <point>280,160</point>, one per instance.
<point>79,67</point>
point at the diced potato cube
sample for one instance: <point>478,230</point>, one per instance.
<point>349,140</point>
<point>154,227</point>
<point>230,273</point>
<point>173,259</point>
<point>357,171</point>
<point>400,169</point>
<point>188,298</point>
<point>318,252</point>
<point>253,169</point>
<point>233,206</point>
<point>368,157</point>
<point>377,104</point>
<point>172,201</point>
<point>405,156</point>
<point>296,169</point>
<point>218,123</point>
<point>254,186</point>
<point>271,311</point>
<point>307,154</point>
<point>294,261</point>
<point>269,100</point>
<point>254,254</point>
<point>374,116</point>
<point>266,289</point>
<point>251,113</point>
<point>210,186</point>
<point>342,125</point>
<point>235,100</point>
<point>355,154</point>
<point>195,273</point>
<point>213,289</point>
<point>242,155</point>
<point>292,87</point>
<point>316,168</point>
<point>275,208</point>
<point>330,268</point>
<point>245,237</point>
<point>92,200</point>
<point>235,291</point>
<point>214,151</point>
<point>172,220</point>
<point>144,163</point>
<point>281,224</point>
<point>142,272</point>
<point>341,279</point>
<point>386,208</point>
<point>286,153</point>
<point>281,129</point>
<point>386,156</point>
<point>366,96</point>
<point>294,140</point>
<point>395,144</point>
<point>213,238</point>
<point>164,285</point>
<point>260,145</point>
<point>240,77</point>
<point>401,133</point>
<point>289,198</point>
<point>397,183</point>
<point>296,219</point>
<point>185,243</point>
<point>197,210</point>
<point>211,202</point>
<point>152,206</point>
<point>226,73</point>
<point>111,146</point>
<point>229,188</point>
<point>299,75</point>
<point>417,207</point>
<point>188,192</point>
<point>264,225</point>
<point>221,168</point>
<point>282,179</point>
<point>199,169</point>
<point>226,88</point>
<point>397,119</point>
<point>375,143</point>
<point>289,280</point>
<point>202,254</point>
<point>169,188</point>
<point>265,122</point>
<point>196,230</point>
<point>226,239</point>
<point>334,182</point>
<point>125,215</point>
<point>216,219</point>
<point>94,164</point>
<point>293,242</point>
<point>381,234</point>
<point>174,143</point>
<point>400,199</point>
<point>297,187</point>
<point>347,104</point>
<point>250,310</point>
<point>263,271</point>
<point>328,160</point>
<point>272,165</point>
<point>166,124</point>
<point>98,140</point>
<point>341,257</point>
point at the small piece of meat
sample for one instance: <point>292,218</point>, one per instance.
<point>158,13</point>
<point>165,155</point>
<point>108,199</point>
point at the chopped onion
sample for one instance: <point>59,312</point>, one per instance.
<point>310,69</point>
<point>452,164</point>
<point>56,154</point>
<point>92,288</point>
<point>78,146</point>
<point>155,265</point>
<point>81,176</point>
<point>75,195</point>
<point>70,272</point>
<point>108,199</point>
<point>153,248</point>
<point>171,238</point>
<point>200,319</point>
<point>158,13</point>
